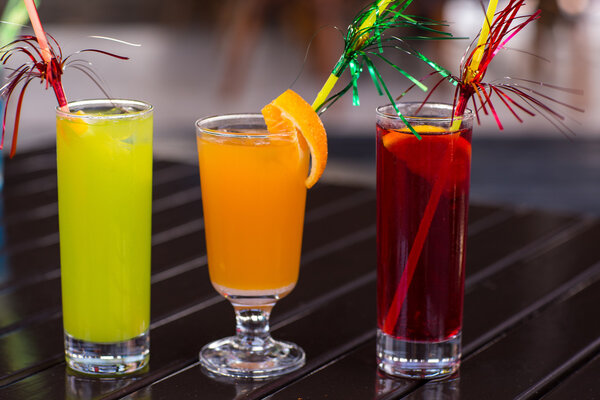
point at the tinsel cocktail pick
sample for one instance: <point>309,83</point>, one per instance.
<point>516,94</point>
<point>44,62</point>
<point>497,30</point>
<point>365,39</point>
<point>414,254</point>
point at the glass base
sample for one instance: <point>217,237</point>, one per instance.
<point>228,358</point>
<point>107,359</point>
<point>420,360</point>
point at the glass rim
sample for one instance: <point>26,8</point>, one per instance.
<point>146,108</point>
<point>200,129</point>
<point>467,116</point>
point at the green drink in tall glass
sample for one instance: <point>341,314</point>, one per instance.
<point>104,161</point>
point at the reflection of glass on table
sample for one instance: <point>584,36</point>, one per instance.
<point>253,195</point>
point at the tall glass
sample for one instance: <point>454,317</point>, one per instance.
<point>422,204</point>
<point>104,161</point>
<point>253,195</point>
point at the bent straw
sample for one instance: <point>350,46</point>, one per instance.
<point>46,53</point>
<point>391,318</point>
<point>333,78</point>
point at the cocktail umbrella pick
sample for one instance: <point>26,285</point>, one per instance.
<point>365,39</point>
<point>495,34</point>
<point>45,62</point>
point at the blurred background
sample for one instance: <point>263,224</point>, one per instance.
<point>200,58</point>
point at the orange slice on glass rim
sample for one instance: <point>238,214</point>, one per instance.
<point>290,112</point>
<point>424,157</point>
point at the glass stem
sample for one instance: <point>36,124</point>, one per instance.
<point>252,327</point>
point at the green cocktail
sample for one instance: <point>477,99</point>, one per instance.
<point>104,161</point>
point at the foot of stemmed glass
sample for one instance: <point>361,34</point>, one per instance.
<point>252,352</point>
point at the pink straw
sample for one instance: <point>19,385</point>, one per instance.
<point>391,318</point>
<point>46,55</point>
<point>39,30</point>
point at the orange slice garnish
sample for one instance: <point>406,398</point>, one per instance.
<point>290,112</point>
<point>424,157</point>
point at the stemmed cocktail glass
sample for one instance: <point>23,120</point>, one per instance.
<point>253,192</point>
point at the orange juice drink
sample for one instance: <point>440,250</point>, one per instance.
<point>254,175</point>
<point>253,193</point>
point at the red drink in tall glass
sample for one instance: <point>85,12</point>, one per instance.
<point>422,203</point>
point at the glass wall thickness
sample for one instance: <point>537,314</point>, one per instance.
<point>104,162</point>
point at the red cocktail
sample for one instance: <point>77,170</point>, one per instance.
<point>422,203</point>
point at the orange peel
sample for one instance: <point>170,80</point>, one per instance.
<point>290,112</point>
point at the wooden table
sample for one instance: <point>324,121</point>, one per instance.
<point>531,322</point>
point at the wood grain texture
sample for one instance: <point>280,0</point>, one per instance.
<point>532,286</point>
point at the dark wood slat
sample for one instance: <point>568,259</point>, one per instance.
<point>323,193</point>
<point>28,167</point>
<point>23,307</point>
<point>545,340</point>
<point>39,252</point>
<point>533,350</point>
<point>357,368</point>
<point>45,167</point>
<point>583,384</point>
<point>44,149</point>
<point>27,231</point>
<point>38,163</point>
<point>179,251</point>
<point>536,263</point>
<point>37,304</point>
<point>347,265</point>
<point>321,346</point>
<point>179,183</point>
<point>529,284</point>
<point>30,267</point>
<point>162,171</point>
<point>478,212</point>
<point>263,390</point>
<point>15,208</point>
<point>23,205</point>
<point>174,248</point>
<point>524,283</point>
<point>361,380</point>
<point>516,232</point>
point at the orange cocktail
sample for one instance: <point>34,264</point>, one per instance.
<point>254,175</point>
<point>253,194</point>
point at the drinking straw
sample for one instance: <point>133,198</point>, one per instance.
<point>414,254</point>
<point>334,76</point>
<point>364,39</point>
<point>45,62</point>
<point>39,30</point>
<point>46,54</point>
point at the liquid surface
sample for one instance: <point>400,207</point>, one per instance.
<point>105,194</point>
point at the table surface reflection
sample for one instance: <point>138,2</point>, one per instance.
<point>530,324</point>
